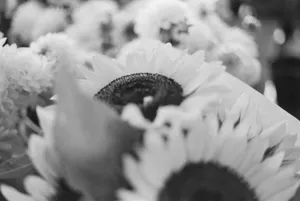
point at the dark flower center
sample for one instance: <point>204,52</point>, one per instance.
<point>148,91</point>
<point>206,182</point>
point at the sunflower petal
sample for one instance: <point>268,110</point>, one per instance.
<point>38,188</point>
<point>13,195</point>
<point>284,179</point>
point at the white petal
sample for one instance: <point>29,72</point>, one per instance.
<point>135,63</point>
<point>289,141</point>
<point>198,102</point>
<point>283,179</point>
<point>241,105</point>
<point>47,119</point>
<point>188,70</point>
<point>106,68</point>
<point>196,141</point>
<point>37,153</point>
<point>12,194</point>
<point>292,154</point>
<point>212,149</point>
<point>94,78</point>
<point>267,169</point>
<point>88,87</point>
<point>285,195</point>
<point>227,127</point>
<point>177,148</point>
<point>205,90</point>
<point>125,195</point>
<point>232,151</point>
<point>38,188</point>
<point>54,98</point>
<point>134,175</point>
<point>133,115</point>
<point>163,64</point>
<point>276,133</point>
<point>209,72</point>
<point>254,154</point>
<point>156,163</point>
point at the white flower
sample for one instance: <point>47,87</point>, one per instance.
<point>24,21</point>
<point>94,9</point>
<point>61,3</point>
<point>25,68</point>
<point>202,8</point>
<point>205,157</point>
<point>49,46</point>
<point>163,15</point>
<point>53,20</point>
<point>200,37</point>
<point>93,25</point>
<point>237,35</point>
<point>239,62</point>
<point>124,21</point>
<point>172,21</point>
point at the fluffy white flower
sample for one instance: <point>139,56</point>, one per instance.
<point>27,70</point>
<point>87,34</point>
<point>238,35</point>
<point>94,9</point>
<point>53,20</point>
<point>124,21</point>
<point>202,8</point>
<point>200,37</point>
<point>172,21</point>
<point>93,25</point>
<point>239,62</point>
<point>50,45</point>
<point>24,21</point>
<point>159,15</point>
<point>70,3</point>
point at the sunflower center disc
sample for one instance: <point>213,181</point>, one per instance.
<point>206,182</point>
<point>135,88</point>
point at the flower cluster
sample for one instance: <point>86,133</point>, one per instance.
<point>134,102</point>
<point>187,152</point>
<point>107,28</point>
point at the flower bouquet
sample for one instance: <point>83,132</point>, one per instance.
<point>166,114</point>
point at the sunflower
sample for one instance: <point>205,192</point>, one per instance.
<point>208,158</point>
<point>171,21</point>
<point>165,77</point>
<point>238,61</point>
